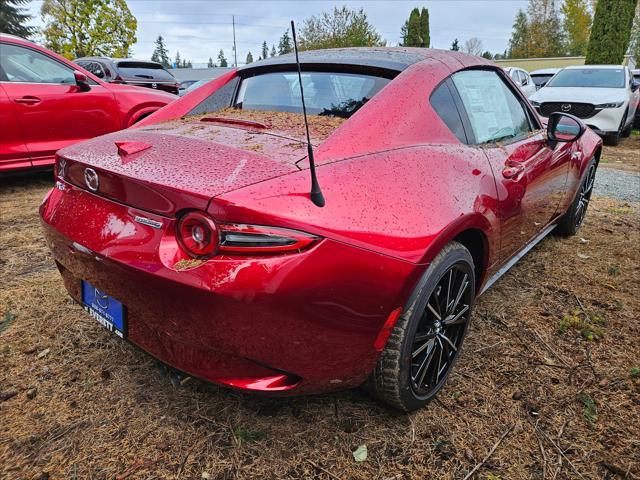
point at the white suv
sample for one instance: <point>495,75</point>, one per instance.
<point>522,79</point>
<point>606,97</point>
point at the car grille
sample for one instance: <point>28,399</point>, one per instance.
<point>580,110</point>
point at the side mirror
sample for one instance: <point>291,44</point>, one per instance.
<point>525,82</point>
<point>81,81</point>
<point>563,127</point>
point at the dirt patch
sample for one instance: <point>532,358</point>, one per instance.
<point>292,124</point>
<point>625,155</point>
<point>552,360</point>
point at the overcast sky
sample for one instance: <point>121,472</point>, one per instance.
<point>198,29</point>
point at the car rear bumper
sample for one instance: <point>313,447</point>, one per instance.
<point>302,323</point>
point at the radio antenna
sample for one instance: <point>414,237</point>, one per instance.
<point>316,194</point>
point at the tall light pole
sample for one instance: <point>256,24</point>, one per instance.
<point>235,49</point>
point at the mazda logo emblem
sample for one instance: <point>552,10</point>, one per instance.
<point>565,107</point>
<point>154,85</point>
<point>91,179</point>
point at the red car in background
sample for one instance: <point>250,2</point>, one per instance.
<point>194,236</point>
<point>47,103</point>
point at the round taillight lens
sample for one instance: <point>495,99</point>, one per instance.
<point>198,235</point>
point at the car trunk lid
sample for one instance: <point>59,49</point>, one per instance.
<point>177,165</point>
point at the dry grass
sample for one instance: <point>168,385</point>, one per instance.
<point>87,405</point>
<point>623,156</point>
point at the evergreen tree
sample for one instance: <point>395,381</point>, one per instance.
<point>13,19</point>
<point>210,64</point>
<point>455,45</point>
<point>273,51</point>
<point>610,32</point>
<point>160,53</point>
<point>519,42</point>
<point>177,60</point>
<point>265,50</point>
<point>487,54</point>
<point>425,36</point>
<point>285,45</point>
<point>222,61</point>
<point>415,31</point>
<point>577,25</point>
<point>249,58</point>
<point>634,42</point>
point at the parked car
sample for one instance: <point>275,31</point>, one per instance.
<point>193,85</point>
<point>636,78</point>
<point>204,247</point>
<point>522,79</point>
<point>184,85</point>
<point>606,97</point>
<point>47,103</point>
<point>142,73</point>
<point>542,76</point>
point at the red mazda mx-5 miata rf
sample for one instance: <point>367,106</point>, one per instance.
<point>193,234</point>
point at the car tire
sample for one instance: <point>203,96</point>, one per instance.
<point>571,221</point>
<point>439,314</point>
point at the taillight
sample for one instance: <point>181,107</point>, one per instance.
<point>198,235</point>
<point>257,239</point>
<point>202,238</point>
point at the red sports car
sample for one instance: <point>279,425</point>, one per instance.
<point>194,236</point>
<point>47,103</point>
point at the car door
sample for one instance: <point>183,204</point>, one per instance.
<point>51,111</point>
<point>530,176</point>
<point>634,96</point>
<point>13,151</point>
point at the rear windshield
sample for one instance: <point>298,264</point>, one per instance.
<point>144,71</point>
<point>325,93</point>
<point>589,77</point>
<point>540,78</point>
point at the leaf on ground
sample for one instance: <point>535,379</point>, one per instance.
<point>44,352</point>
<point>360,454</point>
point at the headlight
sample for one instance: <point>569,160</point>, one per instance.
<point>610,105</point>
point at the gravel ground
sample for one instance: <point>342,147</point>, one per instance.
<point>617,184</point>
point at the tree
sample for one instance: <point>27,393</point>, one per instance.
<point>519,42</point>
<point>177,62</point>
<point>487,54</point>
<point>13,19</point>
<point>546,37</point>
<point>473,46</point>
<point>222,61</point>
<point>611,31</point>
<point>265,50</point>
<point>249,58</point>
<point>79,28</point>
<point>273,51</point>
<point>455,46</point>
<point>285,45</point>
<point>634,41</point>
<point>577,25</point>
<point>340,28</point>
<point>160,53</point>
<point>210,63</point>
<point>415,31</point>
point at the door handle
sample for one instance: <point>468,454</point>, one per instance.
<point>512,171</point>
<point>28,100</point>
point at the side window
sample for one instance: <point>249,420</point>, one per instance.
<point>514,75</point>
<point>95,68</point>
<point>523,78</point>
<point>24,65</point>
<point>495,113</point>
<point>444,105</point>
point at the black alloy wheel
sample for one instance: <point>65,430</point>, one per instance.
<point>439,335</point>
<point>584,195</point>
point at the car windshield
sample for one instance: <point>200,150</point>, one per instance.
<point>540,79</point>
<point>589,77</point>
<point>144,70</point>
<point>325,93</point>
